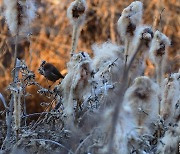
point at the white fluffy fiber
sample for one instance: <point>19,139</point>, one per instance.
<point>30,10</point>
<point>11,15</point>
<point>169,144</point>
<point>80,19</point>
<point>131,14</point>
<point>125,131</point>
<point>171,97</point>
<point>76,83</point>
<point>104,55</point>
<point>158,53</point>
<point>142,100</point>
<point>143,37</point>
<point>156,44</point>
<point>27,15</point>
<point>141,33</point>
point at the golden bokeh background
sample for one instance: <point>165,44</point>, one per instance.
<point>51,36</point>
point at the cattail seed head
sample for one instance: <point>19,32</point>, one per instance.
<point>171,98</point>
<point>140,42</point>
<point>169,142</point>
<point>143,34</point>
<point>158,51</point>
<point>108,61</point>
<point>159,45</point>
<point>76,83</point>
<point>11,14</point>
<point>19,15</point>
<point>76,12</point>
<point>142,99</point>
<point>130,18</point>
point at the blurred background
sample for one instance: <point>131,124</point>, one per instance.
<point>51,37</point>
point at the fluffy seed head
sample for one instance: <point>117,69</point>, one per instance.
<point>143,34</point>
<point>142,99</point>
<point>169,143</point>
<point>76,83</point>
<point>130,18</point>
<point>76,12</point>
<point>171,98</point>
<point>19,15</point>
<point>108,61</point>
<point>159,45</point>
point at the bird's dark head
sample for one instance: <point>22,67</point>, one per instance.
<point>43,63</point>
<point>40,69</point>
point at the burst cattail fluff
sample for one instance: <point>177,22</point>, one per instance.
<point>125,130</point>
<point>76,15</point>
<point>169,144</point>
<point>158,51</point>
<point>108,61</point>
<point>141,42</point>
<point>76,12</point>
<point>143,37</point>
<point>127,23</point>
<point>171,98</point>
<point>17,94</point>
<point>76,83</point>
<point>19,15</point>
<point>130,18</point>
<point>142,99</point>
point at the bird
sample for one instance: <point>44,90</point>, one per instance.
<point>50,72</point>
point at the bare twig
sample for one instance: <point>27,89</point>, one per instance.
<point>15,57</point>
<point>121,93</point>
<point>160,19</point>
<point>54,142</point>
<point>80,145</point>
<point>34,114</point>
<point>3,101</point>
<point>9,113</point>
<point>112,16</point>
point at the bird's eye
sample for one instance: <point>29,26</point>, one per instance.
<point>43,62</point>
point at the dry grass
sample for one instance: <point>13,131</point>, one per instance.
<point>51,34</point>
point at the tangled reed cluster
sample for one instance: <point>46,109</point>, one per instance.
<point>105,103</point>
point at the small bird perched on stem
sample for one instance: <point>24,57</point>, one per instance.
<point>49,71</point>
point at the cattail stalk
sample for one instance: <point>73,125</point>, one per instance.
<point>126,51</point>
<point>75,37</point>
<point>15,58</point>
<point>121,92</point>
<point>158,52</point>
<point>131,17</point>
<point>17,113</point>
<point>76,15</point>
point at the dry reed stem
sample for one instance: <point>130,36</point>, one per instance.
<point>75,37</point>
<point>120,93</point>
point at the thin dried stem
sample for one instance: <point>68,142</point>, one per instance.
<point>54,142</point>
<point>80,145</point>
<point>112,16</point>
<point>118,103</point>
<point>3,101</point>
<point>30,51</point>
<point>126,52</point>
<point>15,58</point>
